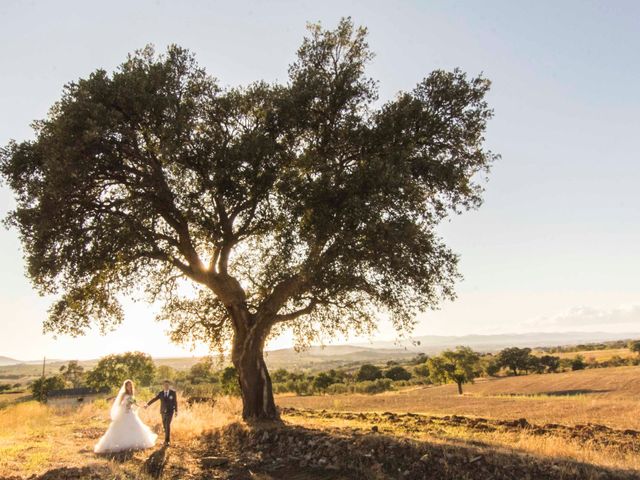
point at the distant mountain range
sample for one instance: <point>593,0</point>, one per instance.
<point>4,361</point>
<point>334,356</point>
<point>431,344</point>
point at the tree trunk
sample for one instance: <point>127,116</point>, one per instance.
<point>459,388</point>
<point>253,376</point>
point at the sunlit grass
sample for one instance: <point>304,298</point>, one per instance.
<point>35,437</point>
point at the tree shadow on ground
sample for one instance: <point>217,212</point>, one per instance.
<point>154,465</point>
<point>74,473</point>
<point>119,457</point>
<point>571,393</point>
<point>356,454</point>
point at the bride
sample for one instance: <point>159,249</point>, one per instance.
<point>127,431</point>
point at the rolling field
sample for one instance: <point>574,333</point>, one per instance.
<point>597,355</point>
<point>607,396</point>
<point>590,416</point>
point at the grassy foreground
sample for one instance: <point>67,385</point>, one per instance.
<point>578,425</point>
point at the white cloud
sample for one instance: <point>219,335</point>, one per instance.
<point>585,316</point>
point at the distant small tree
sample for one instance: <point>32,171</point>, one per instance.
<point>368,372</point>
<point>73,373</point>
<point>4,387</point>
<point>615,361</point>
<point>41,387</point>
<point>280,376</point>
<point>112,370</point>
<point>490,366</point>
<point>419,359</point>
<point>201,372</point>
<point>165,372</point>
<point>397,373</point>
<point>516,359</point>
<point>459,366</point>
<point>578,363</point>
<point>422,370</point>
<point>634,346</point>
<point>534,365</point>
<point>322,381</point>
<point>551,363</point>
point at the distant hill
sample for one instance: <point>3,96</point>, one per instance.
<point>314,358</point>
<point>8,361</point>
<point>336,356</point>
<point>332,356</point>
<point>431,344</point>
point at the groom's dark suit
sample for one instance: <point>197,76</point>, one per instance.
<point>168,406</point>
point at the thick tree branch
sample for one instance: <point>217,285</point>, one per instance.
<point>285,317</point>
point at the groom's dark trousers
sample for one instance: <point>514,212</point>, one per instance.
<point>168,407</point>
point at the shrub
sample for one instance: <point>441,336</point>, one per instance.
<point>41,387</point>
<point>322,381</point>
<point>397,373</point>
<point>368,372</point>
<point>373,386</point>
<point>202,390</point>
<point>280,376</point>
<point>202,371</point>
<point>165,372</point>
<point>577,363</point>
<point>422,370</point>
<point>229,381</point>
<point>337,388</point>
<point>634,346</point>
<point>418,359</point>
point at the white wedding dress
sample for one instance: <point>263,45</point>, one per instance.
<point>127,431</point>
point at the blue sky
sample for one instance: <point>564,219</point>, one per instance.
<point>554,247</point>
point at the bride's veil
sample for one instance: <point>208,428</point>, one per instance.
<point>116,407</point>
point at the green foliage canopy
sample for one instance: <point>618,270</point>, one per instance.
<point>368,372</point>
<point>112,370</point>
<point>302,205</point>
<point>41,387</point>
<point>460,366</point>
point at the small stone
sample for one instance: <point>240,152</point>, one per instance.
<point>214,461</point>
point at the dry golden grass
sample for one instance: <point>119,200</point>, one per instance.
<point>511,441</point>
<point>35,438</point>
<point>601,396</point>
<point>607,396</point>
<point>598,355</point>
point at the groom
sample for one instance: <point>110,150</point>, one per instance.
<point>168,408</point>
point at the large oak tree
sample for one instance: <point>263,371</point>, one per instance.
<point>306,205</point>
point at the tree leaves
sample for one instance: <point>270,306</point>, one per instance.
<point>296,205</point>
